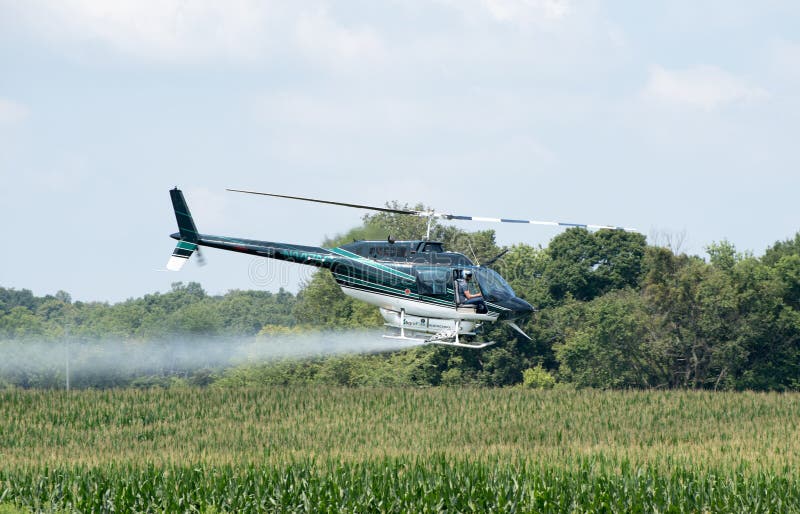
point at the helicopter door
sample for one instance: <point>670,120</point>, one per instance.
<point>474,287</point>
<point>456,276</point>
<point>459,299</point>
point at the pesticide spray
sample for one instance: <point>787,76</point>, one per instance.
<point>55,363</point>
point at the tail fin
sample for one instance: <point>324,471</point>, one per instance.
<point>185,222</point>
<point>188,232</point>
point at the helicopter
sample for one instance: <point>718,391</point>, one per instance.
<point>418,286</point>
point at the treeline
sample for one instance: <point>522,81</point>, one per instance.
<point>732,322</point>
<point>185,310</point>
<point>613,312</point>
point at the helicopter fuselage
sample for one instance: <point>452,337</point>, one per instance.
<point>417,277</point>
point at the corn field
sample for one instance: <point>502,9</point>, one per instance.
<point>398,450</point>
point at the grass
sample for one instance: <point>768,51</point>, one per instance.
<point>395,450</point>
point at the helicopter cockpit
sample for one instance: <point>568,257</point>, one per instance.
<point>493,286</point>
<point>494,291</point>
<point>487,282</point>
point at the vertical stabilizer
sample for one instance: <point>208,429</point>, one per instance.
<point>185,222</point>
<point>187,229</point>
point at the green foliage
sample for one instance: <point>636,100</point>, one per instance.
<point>524,267</point>
<point>610,345</point>
<point>20,322</point>
<point>782,249</point>
<point>331,449</point>
<point>185,310</point>
<point>416,367</point>
<point>7,508</point>
<point>393,484</point>
<point>585,265</point>
<point>723,255</point>
<point>10,298</point>
<point>538,378</point>
<point>247,312</point>
<point>787,270</point>
<point>196,319</point>
<point>479,246</point>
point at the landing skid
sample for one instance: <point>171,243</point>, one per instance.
<point>441,342</point>
<point>449,337</point>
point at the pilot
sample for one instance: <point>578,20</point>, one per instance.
<point>465,297</point>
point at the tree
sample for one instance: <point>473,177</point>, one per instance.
<point>586,265</point>
<point>21,323</point>
<point>201,318</point>
<point>524,267</point>
<point>782,249</point>
<point>723,255</point>
<point>611,346</point>
<point>479,246</point>
<point>10,298</point>
<point>538,378</point>
<point>681,293</point>
<point>727,324</point>
<point>767,336</point>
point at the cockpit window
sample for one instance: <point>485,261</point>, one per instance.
<point>432,280</point>
<point>493,286</point>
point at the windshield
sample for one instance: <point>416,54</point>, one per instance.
<point>492,284</point>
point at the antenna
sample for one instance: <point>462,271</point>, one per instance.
<point>428,231</point>
<point>473,252</point>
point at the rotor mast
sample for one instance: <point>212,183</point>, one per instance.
<point>431,214</point>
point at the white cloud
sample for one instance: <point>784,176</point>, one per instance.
<point>170,30</point>
<point>704,87</point>
<point>537,14</point>
<point>527,11</point>
<point>12,112</point>
<point>323,39</point>
<point>161,30</point>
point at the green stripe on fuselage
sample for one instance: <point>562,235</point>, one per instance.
<point>373,264</point>
<point>400,293</point>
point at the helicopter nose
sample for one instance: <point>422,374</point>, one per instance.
<point>519,308</point>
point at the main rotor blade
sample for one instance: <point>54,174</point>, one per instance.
<point>354,205</point>
<point>532,222</point>
<point>438,214</point>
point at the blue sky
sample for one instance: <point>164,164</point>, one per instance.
<point>679,118</point>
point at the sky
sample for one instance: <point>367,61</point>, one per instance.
<point>679,118</point>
